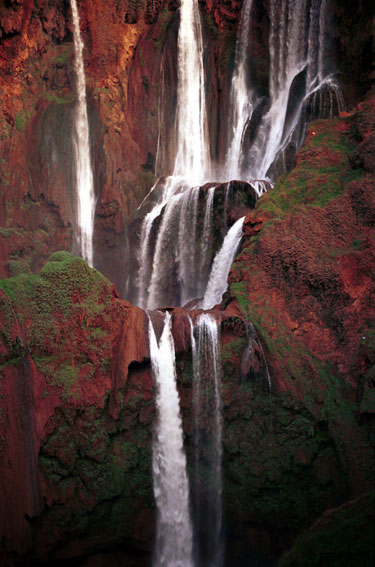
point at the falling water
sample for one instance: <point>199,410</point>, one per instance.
<point>192,159</point>
<point>171,489</point>
<point>193,155</point>
<point>217,283</point>
<point>298,70</point>
<point>85,184</point>
<point>240,105</point>
<point>208,442</point>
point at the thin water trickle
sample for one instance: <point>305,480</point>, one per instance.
<point>84,176</point>
<point>205,249</point>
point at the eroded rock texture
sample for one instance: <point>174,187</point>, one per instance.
<point>76,392</point>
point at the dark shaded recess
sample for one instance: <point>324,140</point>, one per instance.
<point>50,160</point>
<point>219,62</point>
<point>27,420</point>
<point>117,556</point>
<point>341,536</point>
<point>251,128</point>
<point>259,52</point>
<point>289,493</point>
<point>80,451</point>
<point>295,98</point>
<point>354,45</point>
<point>168,101</point>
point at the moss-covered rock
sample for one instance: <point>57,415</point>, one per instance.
<point>64,335</point>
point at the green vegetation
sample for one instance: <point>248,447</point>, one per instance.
<point>16,267</point>
<point>55,308</point>
<point>21,118</point>
<point>166,18</point>
<point>63,58</point>
<point>59,99</point>
<point>321,174</point>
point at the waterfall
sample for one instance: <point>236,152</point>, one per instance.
<point>298,70</point>
<point>85,183</point>
<point>193,156</point>
<point>208,442</point>
<point>240,104</point>
<point>171,489</point>
<point>217,283</point>
<point>192,159</point>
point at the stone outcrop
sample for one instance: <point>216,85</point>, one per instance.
<point>76,409</point>
<point>305,278</point>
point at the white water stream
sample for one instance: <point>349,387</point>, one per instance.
<point>241,103</point>
<point>217,283</point>
<point>193,155</point>
<point>174,537</point>
<point>84,176</point>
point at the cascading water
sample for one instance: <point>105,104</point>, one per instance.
<point>188,255</point>
<point>208,428</point>
<point>240,104</point>
<point>206,240</point>
<point>174,538</point>
<point>85,183</point>
<point>217,283</point>
<point>192,159</point>
<point>298,70</point>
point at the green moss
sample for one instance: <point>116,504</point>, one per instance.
<point>316,179</point>
<point>61,256</point>
<point>165,20</point>
<point>328,137</point>
<point>59,99</point>
<point>16,267</point>
<point>63,57</point>
<point>66,287</point>
<point>238,290</point>
<point>67,377</point>
<point>21,118</point>
<point>93,460</point>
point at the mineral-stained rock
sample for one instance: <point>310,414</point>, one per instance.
<point>64,339</point>
<point>305,278</point>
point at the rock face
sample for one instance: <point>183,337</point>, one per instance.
<point>71,434</point>
<point>305,278</point>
